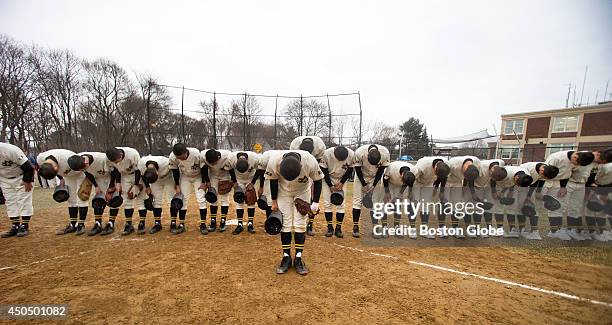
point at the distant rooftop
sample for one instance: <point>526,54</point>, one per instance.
<point>599,106</point>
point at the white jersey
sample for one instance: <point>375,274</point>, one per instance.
<point>11,159</point>
<point>190,167</point>
<point>484,177</point>
<point>361,160</point>
<point>129,163</point>
<point>163,164</point>
<point>264,158</point>
<point>427,176</point>
<point>319,145</point>
<point>580,174</point>
<point>509,180</point>
<point>533,170</point>
<point>336,168</point>
<point>392,174</point>
<point>456,168</point>
<point>604,174</point>
<point>310,170</point>
<point>217,170</point>
<point>560,160</point>
<point>253,160</point>
<point>100,166</point>
<point>61,156</point>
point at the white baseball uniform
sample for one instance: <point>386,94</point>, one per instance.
<point>191,176</point>
<point>394,178</point>
<point>427,176</point>
<point>245,178</point>
<point>368,170</point>
<point>216,173</point>
<point>262,164</point>
<point>100,168</point>
<point>318,144</point>
<point>164,185</point>
<point>336,169</point>
<point>561,160</point>
<point>72,179</point>
<point>288,191</point>
<point>18,201</point>
<point>127,167</point>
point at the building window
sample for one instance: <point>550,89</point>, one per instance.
<point>565,123</point>
<point>509,152</point>
<point>512,126</point>
<point>555,147</point>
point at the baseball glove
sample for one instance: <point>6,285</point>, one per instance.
<point>251,195</point>
<point>85,190</point>
<point>225,187</point>
<point>302,206</point>
<point>2,200</point>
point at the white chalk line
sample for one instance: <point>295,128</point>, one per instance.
<point>40,261</point>
<point>488,278</point>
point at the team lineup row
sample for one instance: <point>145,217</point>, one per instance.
<point>288,184</point>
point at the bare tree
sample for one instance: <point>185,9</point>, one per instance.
<point>307,116</point>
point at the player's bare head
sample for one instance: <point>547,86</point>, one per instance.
<point>498,173</point>
<point>212,156</point>
<point>150,175</point>
<point>548,171</point>
<point>307,145</point>
<point>582,158</point>
<point>408,177</point>
<point>522,179</point>
<point>76,163</point>
<point>180,151</point>
<point>242,165</point>
<point>374,155</point>
<point>441,168</point>
<point>290,166</point>
<point>341,153</point>
<point>115,155</point>
<point>471,173</point>
<point>48,169</point>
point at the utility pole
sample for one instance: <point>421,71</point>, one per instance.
<point>569,90</point>
<point>586,69</point>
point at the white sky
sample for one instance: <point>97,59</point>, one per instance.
<point>456,65</point>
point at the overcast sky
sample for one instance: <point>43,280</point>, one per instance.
<point>456,65</point>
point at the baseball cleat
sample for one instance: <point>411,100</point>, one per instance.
<point>284,266</point>
<point>300,266</point>
<point>560,234</point>
<point>375,235</point>
<point>141,228</point>
<point>599,237</point>
<point>127,230</point>
<point>607,234</point>
<point>172,226</point>
<point>68,230</point>
<point>575,235</point>
<point>309,230</point>
<point>80,229</point>
<point>586,234</point>
<point>203,229</point>
<point>512,233</point>
<point>338,232</point>
<point>250,228</point>
<point>356,232</point>
<point>11,232</point>
<point>238,230</point>
<point>330,231</point>
<point>23,231</point>
<point>179,229</point>
<point>222,226</point>
<point>156,228</point>
<point>213,226</point>
<point>108,229</point>
<point>533,235</point>
<point>95,230</point>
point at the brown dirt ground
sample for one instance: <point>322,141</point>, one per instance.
<point>223,278</point>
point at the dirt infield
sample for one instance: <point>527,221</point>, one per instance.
<point>223,278</point>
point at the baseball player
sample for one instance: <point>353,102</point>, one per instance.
<point>242,166</point>
<point>158,183</point>
<point>464,170</point>
<point>264,185</point>
<point>503,191</point>
<point>214,173</point>
<point>97,170</point>
<point>370,164</point>
<point>603,185</point>
<point>316,147</point>
<point>490,170</point>
<point>566,161</point>
<point>433,174</point>
<point>399,176</point>
<point>54,163</point>
<point>124,160</point>
<point>539,172</point>
<point>337,166</point>
<point>289,174</point>
<point>16,181</point>
<point>188,174</point>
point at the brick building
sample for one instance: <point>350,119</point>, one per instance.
<point>532,136</point>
